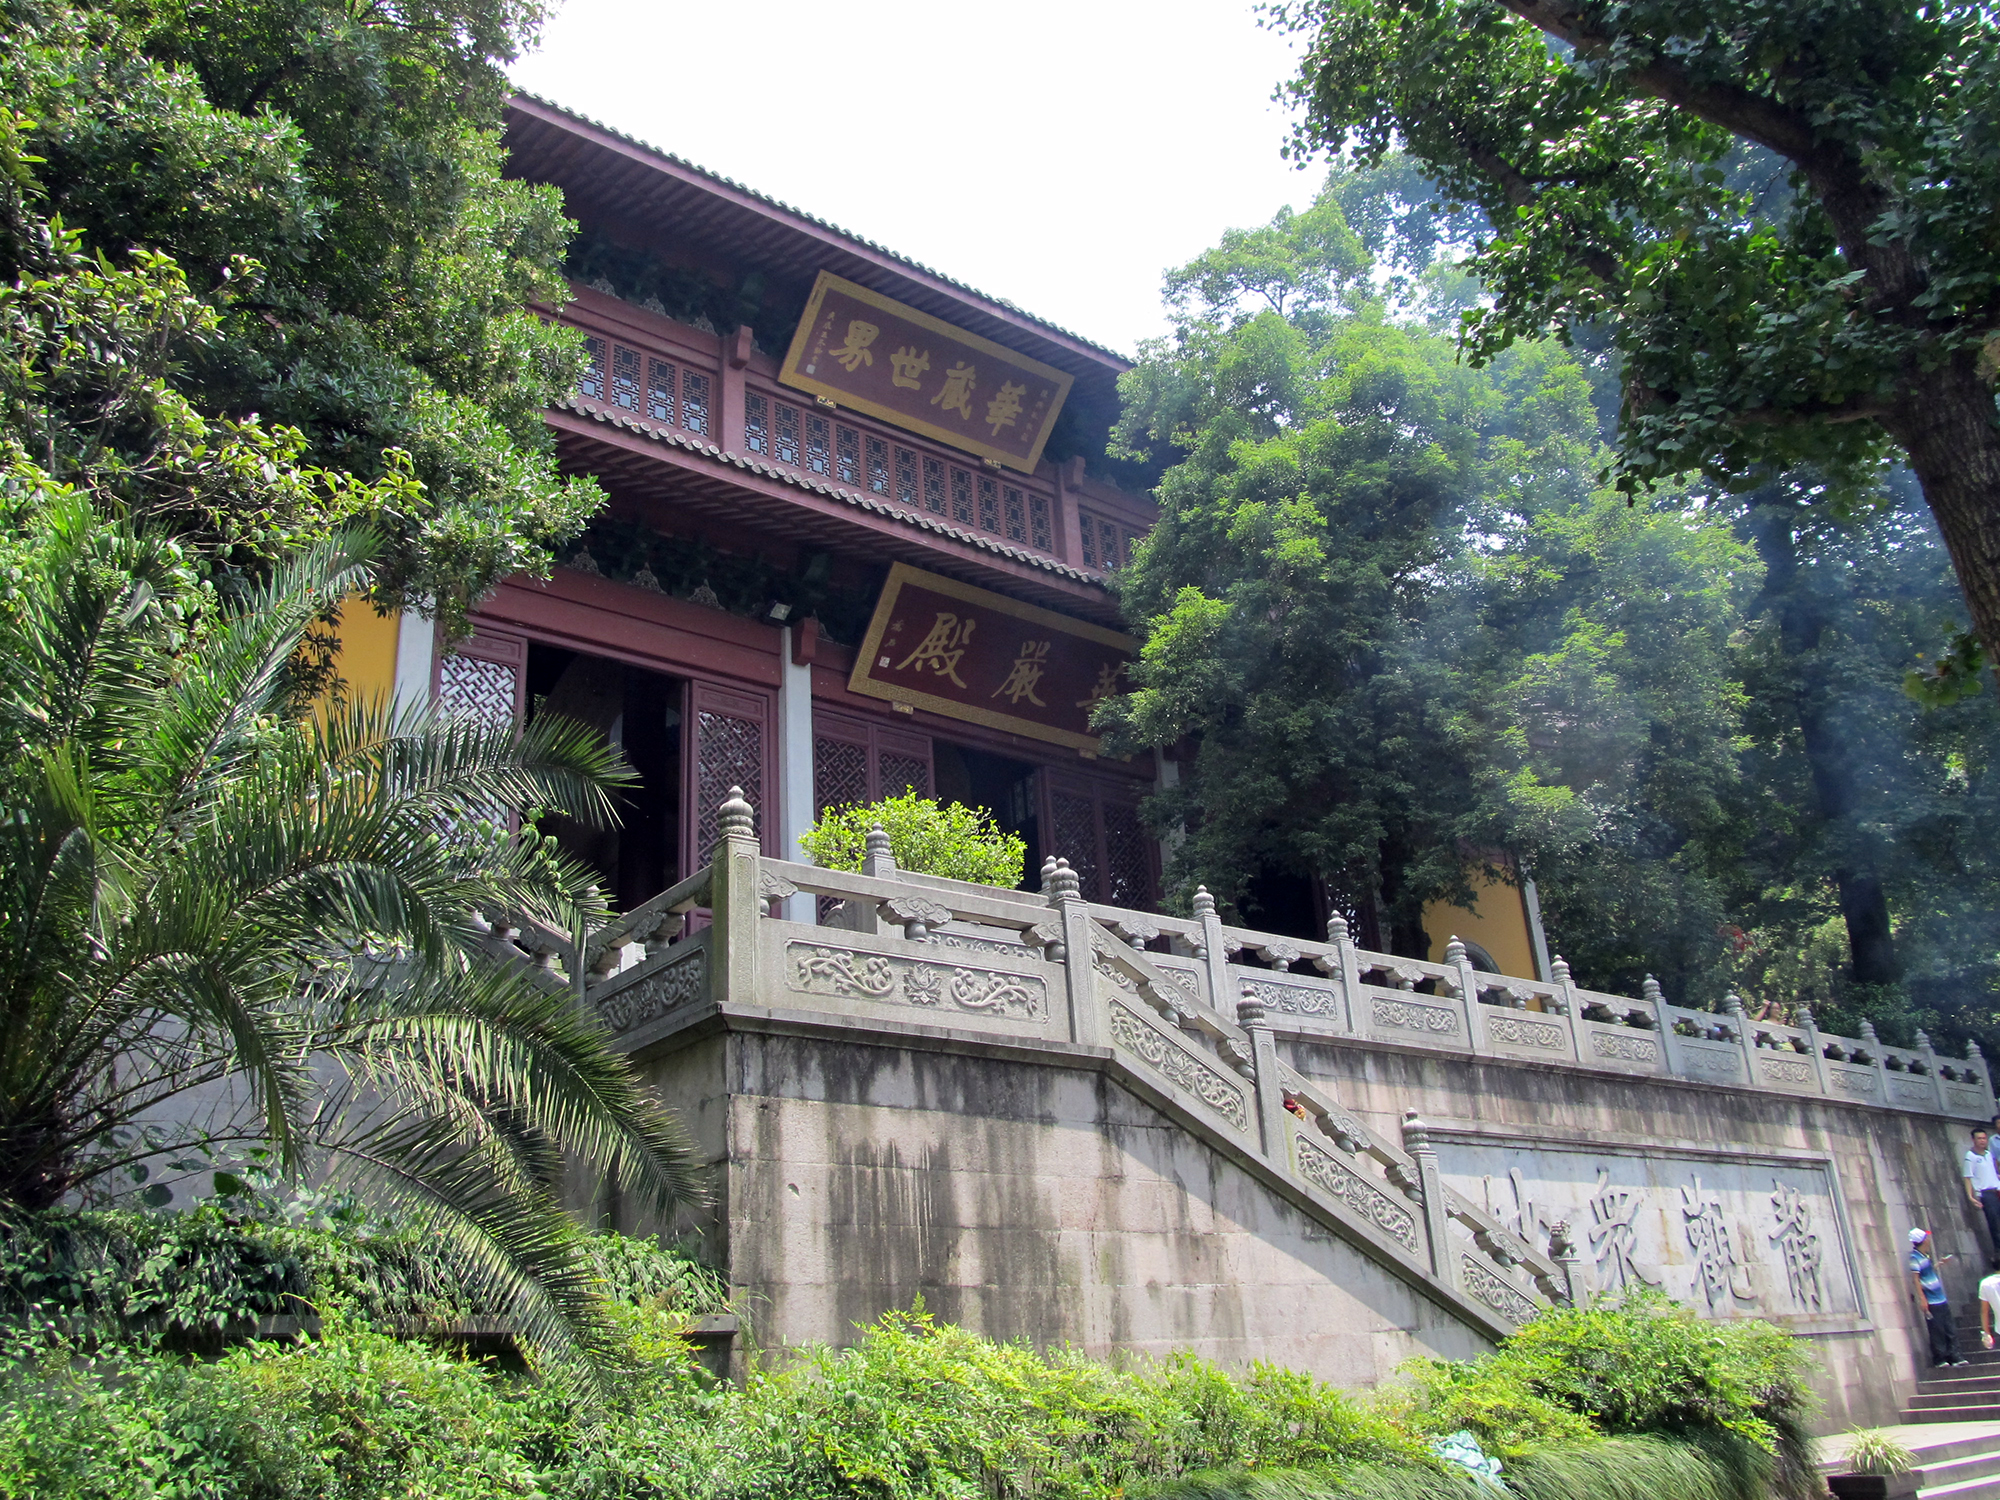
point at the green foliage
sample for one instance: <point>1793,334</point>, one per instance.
<point>191,1276</point>
<point>203,898</point>
<point>1776,212</point>
<point>914,1411</point>
<point>1870,1450</point>
<point>954,841</point>
<point>312,259</point>
<point>1396,617</point>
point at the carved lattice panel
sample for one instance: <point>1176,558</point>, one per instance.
<point>903,773</point>
<point>482,689</point>
<point>730,743</point>
<point>1128,862</point>
<point>840,773</point>
<point>1073,836</point>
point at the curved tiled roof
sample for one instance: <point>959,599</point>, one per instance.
<point>1109,359</point>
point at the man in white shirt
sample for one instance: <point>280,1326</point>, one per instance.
<point>1989,1308</point>
<point>1982,1186</point>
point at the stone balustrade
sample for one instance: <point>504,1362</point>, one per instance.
<point>1188,1012</point>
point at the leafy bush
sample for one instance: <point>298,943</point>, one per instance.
<point>1646,1366</point>
<point>191,1275</point>
<point>957,842</point>
<point>914,1411</point>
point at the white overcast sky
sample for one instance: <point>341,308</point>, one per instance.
<point>1058,153</point>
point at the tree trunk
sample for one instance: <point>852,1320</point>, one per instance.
<point>1946,425</point>
<point>1802,623</point>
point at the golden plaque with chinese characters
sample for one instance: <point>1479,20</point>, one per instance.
<point>969,654</point>
<point>862,350</point>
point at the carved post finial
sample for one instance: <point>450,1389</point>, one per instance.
<point>1923,1040</point>
<point>1064,883</point>
<point>1806,1022</point>
<point>1732,1004</point>
<point>1649,989</point>
<point>1559,970</point>
<point>1868,1032</point>
<point>1972,1052</point>
<point>1048,873</point>
<point>1204,904</point>
<point>738,817</point>
<point>1336,929</point>
<point>1416,1134</point>
<point>1454,952</point>
<point>1249,1008</point>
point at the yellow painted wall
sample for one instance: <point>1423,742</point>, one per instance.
<point>1497,921</point>
<point>367,658</point>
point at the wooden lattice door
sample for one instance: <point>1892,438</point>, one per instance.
<point>856,761</point>
<point>730,743</point>
<point>1094,824</point>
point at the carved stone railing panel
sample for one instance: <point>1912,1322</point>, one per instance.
<point>888,977</point>
<point>1787,1071</point>
<point>1409,1019</point>
<point>655,995</point>
<point>1295,1001</point>
<point>1192,1075</point>
<point>1534,1035</point>
<point>1624,1049</point>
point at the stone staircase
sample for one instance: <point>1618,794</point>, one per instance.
<point>1952,1425</point>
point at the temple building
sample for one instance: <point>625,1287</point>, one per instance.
<point>859,523</point>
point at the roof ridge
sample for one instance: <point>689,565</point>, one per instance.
<point>814,219</point>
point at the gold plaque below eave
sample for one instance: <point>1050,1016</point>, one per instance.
<point>968,653</point>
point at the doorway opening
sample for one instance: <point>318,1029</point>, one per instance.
<point>643,713</point>
<point>1006,788</point>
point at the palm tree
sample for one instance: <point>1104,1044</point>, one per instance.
<point>224,924</point>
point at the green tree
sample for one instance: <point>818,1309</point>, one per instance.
<point>1397,621</point>
<point>1821,325</point>
<point>326,181</point>
<point>279,931</point>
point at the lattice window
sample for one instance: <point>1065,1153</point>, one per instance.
<point>591,386</point>
<point>1017,514</point>
<point>757,423</point>
<point>785,446</point>
<point>1073,836</point>
<point>660,390</point>
<point>904,773</point>
<point>624,377</point>
<point>1041,534</point>
<point>934,486</point>
<point>730,752</point>
<point>478,688</point>
<point>1088,534</point>
<point>819,439</point>
<point>906,477</point>
<point>847,455</point>
<point>961,497</point>
<point>1111,549</point>
<point>989,502</point>
<point>1128,863</point>
<point>840,774</point>
<point>694,402</point>
<point>878,466</point>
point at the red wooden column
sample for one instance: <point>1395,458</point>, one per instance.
<point>736,351</point>
<point>1069,529</point>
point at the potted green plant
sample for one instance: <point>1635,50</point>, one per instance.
<point>1878,1468</point>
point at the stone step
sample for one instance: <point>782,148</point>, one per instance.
<point>1985,1488</point>
<point>1933,1398</point>
<point>1968,1378</point>
<point>1956,1474</point>
<point>1932,1444</point>
<point>1969,1412</point>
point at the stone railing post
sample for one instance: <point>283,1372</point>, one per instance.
<point>736,903</point>
<point>1811,1028</point>
<point>1874,1045</point>
<point>1264,1069</point>
<point>1214,950</point>
<point>1437,1221</point>
<point>1065,894</point>
<point>1670,1039</point>
<point>1974,1056</point>
<point>1931,1067</point>
<point>1732,1006</point>
<point>1562,1250</point>
<point>1346,967</point>
<point>1468,993</point>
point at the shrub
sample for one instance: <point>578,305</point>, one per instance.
<point>954,841</point>
<point>1870,1450</point>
